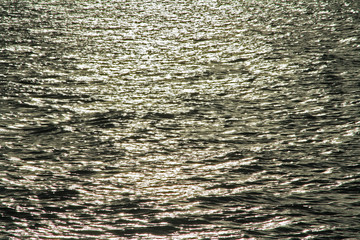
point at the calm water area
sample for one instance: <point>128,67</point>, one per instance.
<point>159,119</point>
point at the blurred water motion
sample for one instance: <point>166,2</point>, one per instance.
<point>182,120</point>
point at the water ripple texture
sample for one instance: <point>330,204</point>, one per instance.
<point>179,119</point>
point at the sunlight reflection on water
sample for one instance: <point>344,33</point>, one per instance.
<point>188,120</point>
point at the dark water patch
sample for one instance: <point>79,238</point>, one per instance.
<point>62,208</point>
<point>158,115</point>
<point>247,218</point>
<point>244,197</point>
<point>49,216</point>
<point>8,213</point>
<point>199,179</point>
<point>58,195</point>
<point>82,172</point>
<point>47,129</point>
<point>13,191</point>
<point>225,186</point>
<point>153,230</point>
<point>103,118</point>
<point>236,155</point>
<point>352,187</point>
<point>238,60</point>
<point>301,209</point>
<point>182,221</point>
<point>137,207</point>
<point>215,200</point>
<point>89,232</point>
<point>351,167</point>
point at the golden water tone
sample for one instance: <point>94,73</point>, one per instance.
<point>162,119</point>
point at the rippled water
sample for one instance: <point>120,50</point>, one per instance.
<point>179,119</point>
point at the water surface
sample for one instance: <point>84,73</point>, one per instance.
<point>179,120</point>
